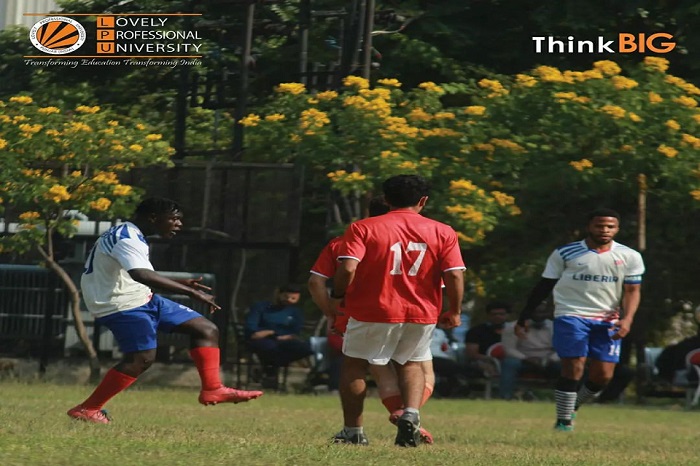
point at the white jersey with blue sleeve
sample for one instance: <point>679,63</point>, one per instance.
<point>106,284</point>
<point>590,282</point>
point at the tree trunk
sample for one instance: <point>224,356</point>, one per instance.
<point>77,318</point>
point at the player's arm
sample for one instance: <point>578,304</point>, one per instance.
<point>343,277</point>
<point>539,293</point>
<point>454,288</point>
<point>319,293</point>
<point>631,297</point>
<point>153,279</point>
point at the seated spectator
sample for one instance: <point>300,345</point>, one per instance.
<point>672,358</point>
<point>449,375</point>
<point>480,338</point>
<point>273,331</point>
<point>530,353</point>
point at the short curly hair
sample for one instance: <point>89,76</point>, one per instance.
<point>405,190</point>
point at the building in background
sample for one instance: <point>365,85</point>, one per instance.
<point>12,11</point>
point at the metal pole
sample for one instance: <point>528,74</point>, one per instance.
<point>243,90</point>
<point>304,25</point>
<point>367,51</point>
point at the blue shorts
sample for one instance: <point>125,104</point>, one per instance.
<point>576,337</point>
<point>136,329</point>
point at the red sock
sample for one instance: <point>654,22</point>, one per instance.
<point>206,358</point>
<point>427,393</point>
<point>393,403</point>
<point>113,383</point>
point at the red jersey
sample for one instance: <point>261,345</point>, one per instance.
<point>402,257</point>
<point>325,266</point>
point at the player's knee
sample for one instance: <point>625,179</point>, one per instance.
<point>208,331</point>
<point>139,362</point>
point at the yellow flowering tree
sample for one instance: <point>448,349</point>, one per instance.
<point>56,162</point>
<point>355,138</point>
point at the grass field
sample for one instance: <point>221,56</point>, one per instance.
<point>169,427</point>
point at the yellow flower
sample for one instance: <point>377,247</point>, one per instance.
<point>113,123</point>
<point>607,67</point>
<point>122,190</point>
<point>140,127</point>
<point>655,98</point>
<point>494,86</point>
<point>634,117</point>
<point>614,111</point>
<point>250,120</point>
<point>101,204</point>
<point>76,126</point>
<point>673,124</point>
<point>275,117</point>
<point>326,95</point>
<point>506,144</point>
<point>408,165</point>
<point>22,99</point>
<point>622,83</point>
<point>3,143</point>
<point>503,199</point>
<point>691,140</point>
<point>386,154</point>
<point>581,164</point>
<point>29,215</point>
<point>466,213</point>
<point>486,147</point>
<point>431,87</point>
<point>591,74</point>
<point>696,194</point>
<point>118,147</point>
<point>57,193</point>
<point>444,116</point>
<point>475,110</point>
<point>551,74</point>
<point>86,109</point>
<point>49,110</point>
<point>33,129</point>
<point>656,63</point>
<point>291,88</point>
<point>458,186</point>
<point>76,174</point>
<point>356,81</point>
<point>390,82</point>
<point>105,178</point>
<point>686,101</point>
<point>154,137</point>
<point>525,80</point>
<point>418,114</point>
<point>136,147</point>
<point>313,118</point>
<point>668,151</point>
<point>312,101</point>
<point>626,148</point>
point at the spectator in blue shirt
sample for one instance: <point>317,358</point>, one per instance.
<point>273,331</point>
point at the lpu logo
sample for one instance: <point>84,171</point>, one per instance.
<point>57,35</point>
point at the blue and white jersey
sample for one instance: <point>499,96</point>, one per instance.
<point>106,284</point>
<point>590,282</point>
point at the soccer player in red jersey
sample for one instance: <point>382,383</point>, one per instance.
<point>390,276</point>
<point>385,376</point>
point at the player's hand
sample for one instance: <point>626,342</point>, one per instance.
<point>521,330</point>
<point>195,283</point>
<point>622,328</point>
<point>207,299</point>
<point>450,320</point>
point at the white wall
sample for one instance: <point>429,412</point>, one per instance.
<point>12,11</point>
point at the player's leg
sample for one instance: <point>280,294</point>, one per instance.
<point>570,340</point>
<point>412,350</point>
<point>204,350</point>
<point>604,355</point>
<point>135,333</point>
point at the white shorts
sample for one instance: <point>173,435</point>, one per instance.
<point>379,342</point>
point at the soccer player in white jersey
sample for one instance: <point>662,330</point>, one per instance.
<point>116,286</point>
<point>597,289</point>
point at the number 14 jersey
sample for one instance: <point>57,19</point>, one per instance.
<point>402,256</point>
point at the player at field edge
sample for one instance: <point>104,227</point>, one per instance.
<point>385,376</point>
<point>116,286</point>
<point>596,284</point>
<point>389,277</point>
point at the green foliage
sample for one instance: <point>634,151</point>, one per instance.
<point>59,159</point>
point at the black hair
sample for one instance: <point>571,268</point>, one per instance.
<point>405,190</point>
<point>377,206</point>
<point>290,288</point>
<point>157,206</point>
<point>603,212</point>
<point>491,305</point>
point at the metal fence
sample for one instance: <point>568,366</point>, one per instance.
<point>33,306</point>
